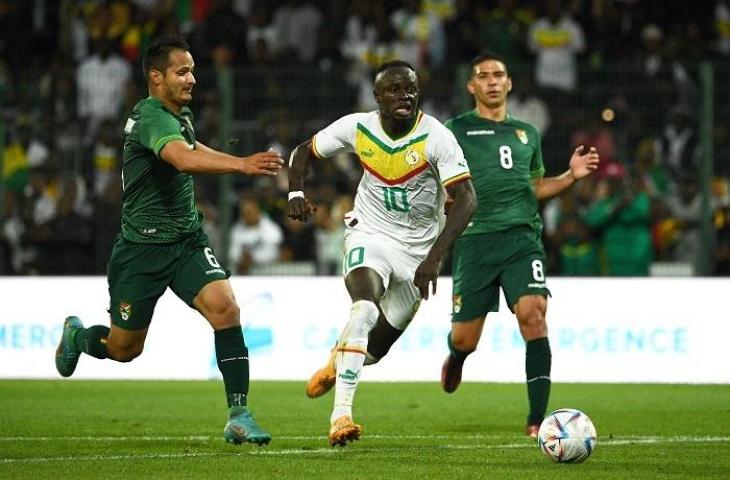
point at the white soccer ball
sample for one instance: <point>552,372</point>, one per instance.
<point>567,436</point>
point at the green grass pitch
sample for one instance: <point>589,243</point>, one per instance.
<point>144,429</point>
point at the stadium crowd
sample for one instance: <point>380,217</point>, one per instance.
<point>629,77</point>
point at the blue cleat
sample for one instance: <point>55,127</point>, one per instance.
<point>67,355</point>
<point>242,427</point>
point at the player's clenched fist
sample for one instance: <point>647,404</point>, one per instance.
<point>299,207</point>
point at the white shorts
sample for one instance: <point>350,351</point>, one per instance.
<point>395,265</point>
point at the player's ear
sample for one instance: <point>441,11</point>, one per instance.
<point>470,87</point>
<point>509,84</point>
<point>155,77</point>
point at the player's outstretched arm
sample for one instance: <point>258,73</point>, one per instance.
<point>298,206</point>
<point>581,165</point>
<point>463,207</point>
<point>204,159</point>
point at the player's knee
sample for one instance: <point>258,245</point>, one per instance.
<point>224,313</point>
<point>532,324</point>
<point>465,341</point>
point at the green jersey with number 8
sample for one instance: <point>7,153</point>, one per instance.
<point>504,158</point>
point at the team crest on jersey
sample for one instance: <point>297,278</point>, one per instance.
<point>522,135</point>
<point>125,310</point>
<point>412,157</point>
<point>457,303</point>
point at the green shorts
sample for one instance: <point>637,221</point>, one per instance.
<point>139,273</point>
<point>513,259</point>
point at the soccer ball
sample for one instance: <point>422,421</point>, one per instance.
<point>567,436</point>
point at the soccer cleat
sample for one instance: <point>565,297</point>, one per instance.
<point>344,430</point>
<point>451,374</point>
<point>532,430</point>
<point>323,379</point>
<point>67,355</point>
<point>242,427</point>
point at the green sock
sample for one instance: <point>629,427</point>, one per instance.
<point>232,356</point>
<point>92,341</point>
<point>537,368</point>
<point>457,354</point>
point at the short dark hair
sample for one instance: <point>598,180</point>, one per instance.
<point>157,55</point>
<point>486,55</point>
<point>392,64</point>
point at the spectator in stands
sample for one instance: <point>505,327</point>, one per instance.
<point>557,40</point>
<point>662,76</point>
<point>722,226</point>
<point>527,105</point>
<point>22,152</point>
<point>620,218</point>
<point>261,36</point>
<point>65,240</point>
<point>686,209</point>
<point>329,237</point>
<point>254,239</point>
<point>222,28</point>
<point>594,131</point>
<point>577,246</point>
<point>299,243</point>
<point>677,148</point>
<point>421,34</point>
<point>504,30</point>
<point>101,81</point>
<point>722,27</point>
<point>297,24</point>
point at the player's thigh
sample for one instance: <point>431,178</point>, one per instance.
<point>197,267</point>
<point>524,274</point>
<point>401,299</point>
<point>138,274</point>
<point>475,277</point>
<point>367,250</point>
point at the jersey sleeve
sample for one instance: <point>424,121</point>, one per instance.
<point>537,167</point>
<point>157,128</point>
<point>337,137</point>
<point>449,158</point>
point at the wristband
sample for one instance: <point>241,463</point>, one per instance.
<point>295,194</point>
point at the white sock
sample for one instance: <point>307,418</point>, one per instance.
<point>351,356</point>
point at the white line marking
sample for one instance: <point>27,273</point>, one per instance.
<point>204,438</point>
<point>605,442</point>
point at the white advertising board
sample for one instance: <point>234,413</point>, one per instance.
<point>601,330</point>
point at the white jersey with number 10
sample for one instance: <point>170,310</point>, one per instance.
<point>401,193</point>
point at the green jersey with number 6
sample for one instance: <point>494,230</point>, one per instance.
<point>159,202</point>
<point>504,158</point>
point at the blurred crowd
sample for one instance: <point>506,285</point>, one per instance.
<point>640,80</point>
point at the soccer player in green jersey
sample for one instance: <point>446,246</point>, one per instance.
<point>161,243</point>
<point>502,246</point>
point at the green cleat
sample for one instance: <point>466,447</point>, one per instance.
<point>67,355</point>
<point>242,427</point>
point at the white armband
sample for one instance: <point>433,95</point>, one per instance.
<point>295,194</point>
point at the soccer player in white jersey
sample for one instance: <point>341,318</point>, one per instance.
<point>396,235</point>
